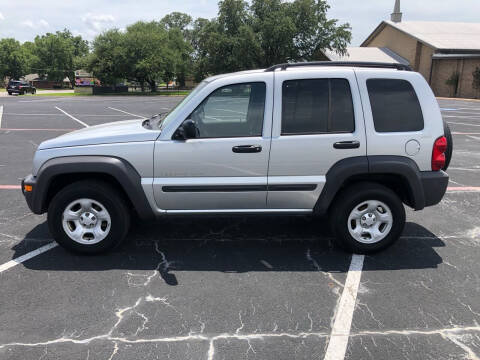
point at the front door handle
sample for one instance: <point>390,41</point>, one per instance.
<point>347,144</point>
<point>247,149</point>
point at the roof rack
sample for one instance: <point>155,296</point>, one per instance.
<point>363,64</point>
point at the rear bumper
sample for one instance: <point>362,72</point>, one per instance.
<point>434,185</point>
<point>30,196</point>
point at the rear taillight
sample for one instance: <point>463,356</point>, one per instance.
<point>438,154</point>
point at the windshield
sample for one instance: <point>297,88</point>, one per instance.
<point>173,113</point>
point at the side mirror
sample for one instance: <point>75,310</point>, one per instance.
<point>188,130</point>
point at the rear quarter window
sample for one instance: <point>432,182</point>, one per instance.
<point>395,105</point>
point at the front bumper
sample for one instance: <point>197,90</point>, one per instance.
<point>434,185</point>
<point>30,195</point>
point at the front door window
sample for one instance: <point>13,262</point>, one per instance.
<point>232,111</point>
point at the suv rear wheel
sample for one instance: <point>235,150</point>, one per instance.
<point>88,217</point>
<point>367,217</point>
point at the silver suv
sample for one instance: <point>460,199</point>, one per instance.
<point>354,141</point>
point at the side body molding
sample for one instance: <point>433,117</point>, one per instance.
<point>364,166</point>
<point>118,168</point>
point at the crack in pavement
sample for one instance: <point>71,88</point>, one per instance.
<point>447,333</point>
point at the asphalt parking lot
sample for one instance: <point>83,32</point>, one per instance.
<point>234,287</point>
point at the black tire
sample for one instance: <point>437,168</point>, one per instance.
<point>353,196</point>
<point>449,151</point>
<point>99,191</point>
<point>9,93</point>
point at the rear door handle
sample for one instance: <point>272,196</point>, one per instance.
<point>347,144</point>
<point>247,149</point>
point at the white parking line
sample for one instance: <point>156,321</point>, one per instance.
<point>337,346</point>
<point>27,256</point>
<point>1,115</point>
<point>463,189</point>
<point>457,123</point>
<point>473,117</point>
<point>56,114</point>
<point>125,112</point>
<point>72,117</point>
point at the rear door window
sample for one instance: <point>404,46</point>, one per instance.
<point>395,105</point>
<point>317,106</point>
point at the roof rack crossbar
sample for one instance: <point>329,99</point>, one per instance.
<point>363,64</point>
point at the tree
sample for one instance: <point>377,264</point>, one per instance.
<point>108,59</point>
<point>176,20</point>
<point>147,54</point>
<point>476,80</point>
<point>452,81</point>
<point>57,54</point>
<point>178,26</point>
<point>265,33</point>
<point>15,59</point>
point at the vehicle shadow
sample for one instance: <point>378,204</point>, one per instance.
<point>237,245</point>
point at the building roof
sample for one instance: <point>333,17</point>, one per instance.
<point>437,34</point>
<point>31,77</point>
<point>83,73</point>
<point>373,54</point>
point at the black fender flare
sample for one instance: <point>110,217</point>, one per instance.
<point>405,168</point>
<point>120,169</point>
<point>347,168</point>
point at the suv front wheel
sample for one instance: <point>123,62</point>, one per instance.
<point>367,217</point>
<point>88,217</point>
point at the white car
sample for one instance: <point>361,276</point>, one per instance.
<point>354,141</point>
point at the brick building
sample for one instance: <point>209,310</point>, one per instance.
<point>438,50</point>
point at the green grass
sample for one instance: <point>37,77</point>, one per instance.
<point>2,89</point>
<point>158,93</point>
<point>38,89</point>
<point>61,94</point>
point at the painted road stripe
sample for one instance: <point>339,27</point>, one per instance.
<point>27,256</point>
<point>7,129</point>
<point>457,123</point>
<point>56,114</point>
<point>1,115</point>
<point>472,117</point>
<point>337,345</point>
<point>464,133</point>
<point>125,112</point>
<point>72,117</point>
<point>463,189</point>
<point>10,187</point>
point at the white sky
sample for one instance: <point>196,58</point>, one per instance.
<point>24,19</point>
